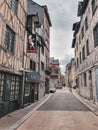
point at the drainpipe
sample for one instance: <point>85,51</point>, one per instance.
<point>23,72</point>
<point>39,68</point>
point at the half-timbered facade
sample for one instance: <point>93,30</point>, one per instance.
<point>12,40</point>
<point>43,33</point>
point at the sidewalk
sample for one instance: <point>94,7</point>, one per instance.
<point>15,119</point>
<point>93,107</point>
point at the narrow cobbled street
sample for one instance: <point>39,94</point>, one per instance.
<point>63,111</point>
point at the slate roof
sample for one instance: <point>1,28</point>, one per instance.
<point>34,8</point>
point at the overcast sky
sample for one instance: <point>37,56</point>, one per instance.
<point>63,13</point>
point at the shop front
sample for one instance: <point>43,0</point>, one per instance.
<point>10,87</point>
<point>31,88</point>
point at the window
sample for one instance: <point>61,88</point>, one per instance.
<point>86,23</point>
<point>80,58</point>
<point>77,63</point>
<point>27,89</point>
<point>83,53</point>
<point>42,66</point>
<point>9,39</point>
<point>14,5</point>
<point>87,47</point>
<point>94,6</point>
<point>30,23</point>
<point>14,89</point>
<point>95,35</point>
<point>79,39</point>
<point>32,65</point>
<point>11,81</point>
<point>90,75</point>
<point>1,86</point>
<point>82,32</point>
<point>42,50</point>
<point>85,79</point>
<point>77,82</point>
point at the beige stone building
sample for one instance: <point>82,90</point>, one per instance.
<point>85,44</point>
<point>70,74</point>
<point>55,73</point>
<point>67,74</point>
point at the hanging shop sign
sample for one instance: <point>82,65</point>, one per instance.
<point>32,43</point>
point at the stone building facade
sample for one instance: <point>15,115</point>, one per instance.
<point>85,43</point>
<point>55,73</point>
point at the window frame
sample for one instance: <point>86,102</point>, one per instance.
<point>32,65</point>
<point>86,23</point>
<point>42,66</point>
<point>14,6</point>
<point>85,79</point>
<point>95,34</point>
<point>9,41</point>
<point>94,6</point>
<point>83,53</point>
<point>87,47</point>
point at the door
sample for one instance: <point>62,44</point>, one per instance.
<point>96,72</point>
<point>6,97</point>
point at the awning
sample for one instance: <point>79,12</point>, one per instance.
<point>32,76</point>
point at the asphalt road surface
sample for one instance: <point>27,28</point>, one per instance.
<point>63,111</point>
<point>62,101</point>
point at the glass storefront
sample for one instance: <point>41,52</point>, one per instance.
<point>9,92</point>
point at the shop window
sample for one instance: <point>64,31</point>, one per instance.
<point>14,89</point>
<point>27,89</point>
<point>1,86</point>
<point>9,39</point>
<point>14,5</point>
<point>96,35</point>
<point>14,85</point>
